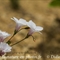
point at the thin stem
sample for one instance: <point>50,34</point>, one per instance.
<point>10,39</point>
<point>33,38</point>
<point>19,41</point>
<point>13,35</point>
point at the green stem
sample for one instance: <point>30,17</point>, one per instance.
<point>20,40</point>
<point>9,40</point>
<point>17,42</point>
<point>15,32</point>
<point>13,36</point>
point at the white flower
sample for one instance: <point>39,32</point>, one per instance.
<point>3,35</point>
<point>33,27</point>
<point>4,47</point>
<point>19,23</point>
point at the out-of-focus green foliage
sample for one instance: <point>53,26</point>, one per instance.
<point>14,4</point>
<point>55,3</point>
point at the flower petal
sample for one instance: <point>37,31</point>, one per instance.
<point>38,28</point>
<point>31,24</point>
<point>19,23</point>
<point>3,35</point>
<point>4,47</point>
<point>22,21</point>
<point>15,19</point>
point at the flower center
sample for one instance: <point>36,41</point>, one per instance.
<point>1,53</point>
<point>30,32</point>
<point>1,39</point>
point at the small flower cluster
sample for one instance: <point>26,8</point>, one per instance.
<point>30,24</point>
<point>4,46</point>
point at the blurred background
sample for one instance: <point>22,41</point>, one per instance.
<point>45,13</point>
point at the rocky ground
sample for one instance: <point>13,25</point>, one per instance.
<point>42,14</point>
